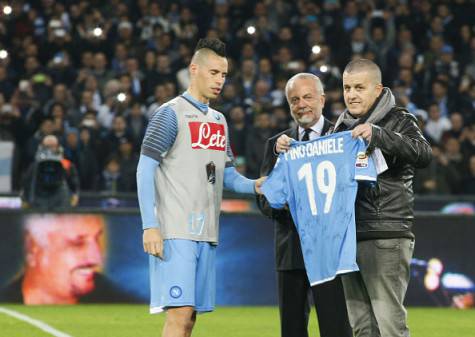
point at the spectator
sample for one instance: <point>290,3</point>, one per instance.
<point>446,67</point>
<point>86,103</point>
<point>469,181</point>
<point>136,77</point>
<point>88,166</point>
<point>62,95</point>
<point>150,75</point>
<point>456,161</point>
<point>265,72</point>
<point>247,78</point>
<point>381,36</point>
<point>238,131</point>
<point>426,50</point>
<point>457,128</point>
<point>7,86</point>
<point>164,69</point>
<point>128,161</point>
<point>111,180</point>
<point>255,141</point>
<point>437,177</point>
<point>228,99</point>
<point>160,96</point>
<point>440,96</point>
<point>137,123</point>
<point>436,125</point>
<point>100,71</point>
<point>119,129</point>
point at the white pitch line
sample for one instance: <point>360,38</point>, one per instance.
<point>39,324</point>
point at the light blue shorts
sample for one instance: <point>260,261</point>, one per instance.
<point>185,277</point>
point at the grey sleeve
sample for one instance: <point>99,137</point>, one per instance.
<point>161,133</point>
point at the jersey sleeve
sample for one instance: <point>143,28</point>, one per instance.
<point>146,191</point>
<point>161,133</point>
<point>365,168</point>
<point>275,188</point>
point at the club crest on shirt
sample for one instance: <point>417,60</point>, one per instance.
<point>175,291</point>
<point>361,159</point>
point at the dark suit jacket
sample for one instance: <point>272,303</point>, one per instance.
<point>288,254</point>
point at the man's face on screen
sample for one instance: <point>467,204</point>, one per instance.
<point>67,257</point>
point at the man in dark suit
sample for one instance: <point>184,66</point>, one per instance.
<point>306,99</point>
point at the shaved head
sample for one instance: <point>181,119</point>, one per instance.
<point>361,86</point>
<point>201,56</point>
<point>366,66</point>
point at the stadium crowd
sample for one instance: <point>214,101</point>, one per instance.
<point>93,72</point>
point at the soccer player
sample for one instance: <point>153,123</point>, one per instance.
<point>185,162</point>
<point>306,98</point>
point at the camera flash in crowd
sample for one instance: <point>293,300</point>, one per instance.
<point>251,30</point>
<point>121,97</point>
<point>3,54</point>
<point>323,68</point>
<point>316,49</point>
<point>97,31</point>
<point>7,10</point>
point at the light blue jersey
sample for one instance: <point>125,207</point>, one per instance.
<point>318,181</point>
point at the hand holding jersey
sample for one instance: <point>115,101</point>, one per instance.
<point>306,98</point>
<point>318,180</point>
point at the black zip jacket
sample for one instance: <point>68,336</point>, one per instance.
<point>385,209</point>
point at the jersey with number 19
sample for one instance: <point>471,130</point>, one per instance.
<point>318,181</point>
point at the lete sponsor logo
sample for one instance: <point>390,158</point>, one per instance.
<point>207,136</point>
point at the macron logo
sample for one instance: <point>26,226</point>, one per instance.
<point>208,136</point>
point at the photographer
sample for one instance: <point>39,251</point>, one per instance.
<point>51,181</point>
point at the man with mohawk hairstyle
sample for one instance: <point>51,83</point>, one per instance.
<point>184,164</point>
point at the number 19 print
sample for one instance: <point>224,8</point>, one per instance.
<point>318,180</point>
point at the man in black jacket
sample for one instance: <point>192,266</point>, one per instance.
<point>384,212</point>
<point>306,99</point>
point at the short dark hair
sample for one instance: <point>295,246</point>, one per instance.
<point>441,83</point>
<point>216,45</point>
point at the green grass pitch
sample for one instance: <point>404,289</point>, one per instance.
<point>134,321</point>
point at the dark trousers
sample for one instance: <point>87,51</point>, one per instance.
<point>294,306</point>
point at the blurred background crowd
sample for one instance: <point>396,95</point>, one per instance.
<point>93,72</point>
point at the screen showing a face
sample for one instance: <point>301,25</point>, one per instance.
<point>77,258</point>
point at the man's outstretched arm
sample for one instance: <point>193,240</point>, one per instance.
<point>236,182</point>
